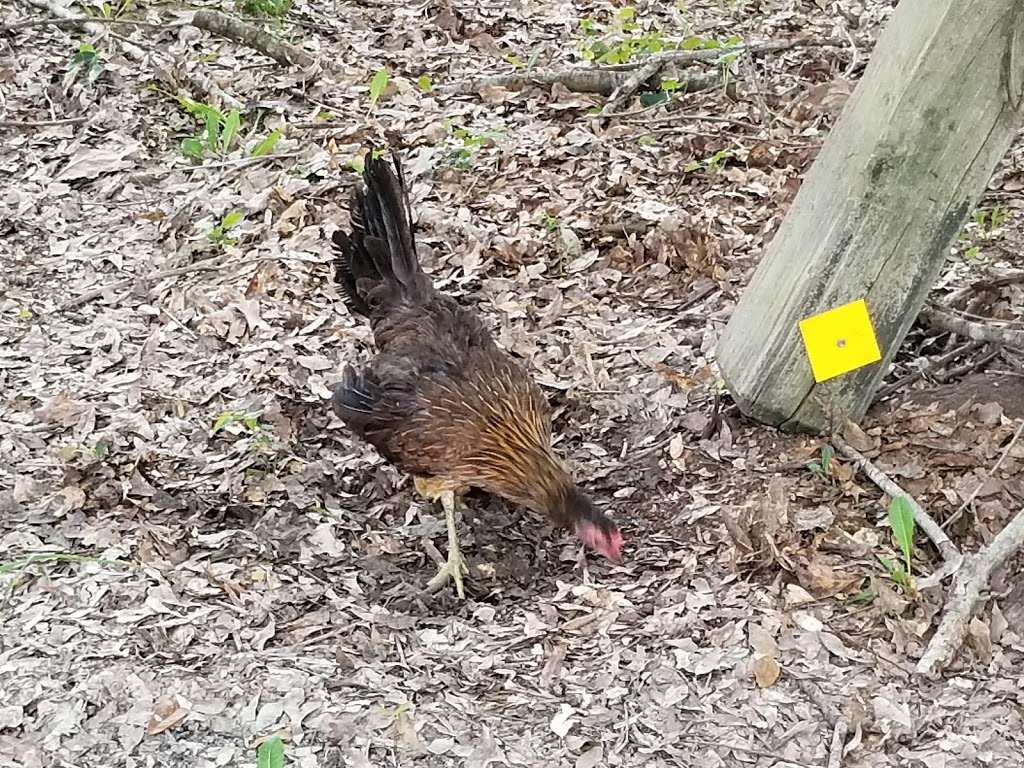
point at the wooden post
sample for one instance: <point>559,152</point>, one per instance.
<point>908,159</point>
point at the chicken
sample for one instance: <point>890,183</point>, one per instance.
<point>440,399</point>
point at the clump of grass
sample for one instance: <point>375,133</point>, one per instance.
<point>267,9</point>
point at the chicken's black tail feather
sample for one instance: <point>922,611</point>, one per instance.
<point>377,266</point>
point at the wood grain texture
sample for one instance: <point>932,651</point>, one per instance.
<point>906,163</point>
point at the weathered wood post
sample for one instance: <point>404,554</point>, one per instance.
<point>908,159</point>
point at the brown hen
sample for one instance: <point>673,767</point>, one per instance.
<point>441,400</point>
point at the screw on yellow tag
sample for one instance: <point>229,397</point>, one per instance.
<point>840,340</point>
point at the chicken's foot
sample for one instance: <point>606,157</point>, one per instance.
<point>455,568</point>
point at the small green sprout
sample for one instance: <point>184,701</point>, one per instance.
<point>823,467</point>
<point>219,233</point>
<point>270,754</point>
<point>378,83</point>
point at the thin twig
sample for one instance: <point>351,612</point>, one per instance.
<point>679,117</point>
<point>745,750</point>
<point>213,264</point>
<point>933,365</point>
<point>202,83</point>
<point>92,26</point>
<point>947,549</point>
<point>238,162</point>
<point>991,473</point>
<point>969,367</point>
<point>78,21</point>
<point>834,718</point>
<point>41,123</point>
<point>716,54</point>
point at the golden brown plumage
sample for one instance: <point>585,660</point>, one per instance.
<point>441,400</point>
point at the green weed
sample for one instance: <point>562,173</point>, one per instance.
<point>270,754</point>
<point>250,425</point>
<point>823,467</point>
<point>268,9</point>
<point>86,63</point>
<point>266,146</point>
<point>465,144</point>
<point>378,83</point>
<point>712,164</point>
<point>983,226</point>
<point>219,130</point>
<point>220,235</point>
<point>623,40</point>
<point>107,11</point>
<point>901,521</point>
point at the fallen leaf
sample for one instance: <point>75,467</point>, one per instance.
<point>563,721</point>
<point>766,671</point>
<point>167,713</point>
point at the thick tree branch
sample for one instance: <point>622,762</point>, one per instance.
<point>943,320</point>
<point>252,36</point>
<point>966,596</point>
<point>607,80</point>
<point>577,79</point>
<point>632,84</point>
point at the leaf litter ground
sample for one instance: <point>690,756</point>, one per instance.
<point>196,556</point>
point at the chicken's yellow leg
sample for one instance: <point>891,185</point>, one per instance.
<point>455,567</point>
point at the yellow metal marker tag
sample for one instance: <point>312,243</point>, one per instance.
<point>840,340</point>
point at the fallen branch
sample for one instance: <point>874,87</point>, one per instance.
<point>966,596</point>
<point>947,549</point>
<point>986,284</point>
<point>834,718</point>
<point>252,36</point>
<point>754,49</point>
<point>969,367</point>
<point>214,22</point>
<point>942,320</point>
<point>609,80</point>
<point>931,366</point>
<point>631,85</point>
<point>92,26</point>
<point>627,227</point>
<point>576,79</point>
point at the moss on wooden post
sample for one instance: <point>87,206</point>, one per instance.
<point>937,108</point>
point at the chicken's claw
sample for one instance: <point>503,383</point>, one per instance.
<point>455,567</point>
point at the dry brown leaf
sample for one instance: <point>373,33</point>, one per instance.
<point>766,671</point>
<point>167,713</point>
